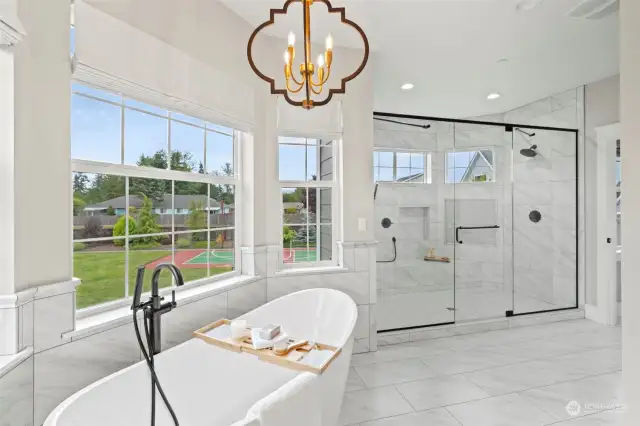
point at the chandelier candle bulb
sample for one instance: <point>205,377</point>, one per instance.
<point>292,38</point>
<point>329,42</point>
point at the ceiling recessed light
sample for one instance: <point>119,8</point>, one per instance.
<point>493,96</point>
<point>407,86</point>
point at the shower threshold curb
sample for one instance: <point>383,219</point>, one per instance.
<point>386,338</point>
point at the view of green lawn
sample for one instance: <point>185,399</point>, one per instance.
<point>102,274</point>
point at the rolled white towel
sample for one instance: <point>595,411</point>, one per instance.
<point>295,403</point>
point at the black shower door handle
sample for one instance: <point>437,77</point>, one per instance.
<point>472,227</point>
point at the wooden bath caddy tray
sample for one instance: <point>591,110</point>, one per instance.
<point>437,259</point>
<point>314,358</point>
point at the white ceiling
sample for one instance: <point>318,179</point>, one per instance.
<point>449,49</point>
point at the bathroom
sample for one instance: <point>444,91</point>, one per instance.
<point>454,264</point>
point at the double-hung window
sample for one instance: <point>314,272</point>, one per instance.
<point>391,165</point>
<point>149,186</point>
<point>308,182</point>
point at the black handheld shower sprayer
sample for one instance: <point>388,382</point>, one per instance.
<point>153,309</point>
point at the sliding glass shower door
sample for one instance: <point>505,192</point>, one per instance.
<point>479,220</point>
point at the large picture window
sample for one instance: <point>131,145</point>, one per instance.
<point>149,186</point>
<point>309,198</point>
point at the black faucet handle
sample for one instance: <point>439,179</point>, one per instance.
<point>173,299</point>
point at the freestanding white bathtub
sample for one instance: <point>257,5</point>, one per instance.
<point>210,386</point>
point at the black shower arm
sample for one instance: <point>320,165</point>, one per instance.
<point>472,227</point>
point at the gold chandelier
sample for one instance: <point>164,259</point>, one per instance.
<point>311,85</point>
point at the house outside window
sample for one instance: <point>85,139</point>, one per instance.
<point>134,204</point>
<point>470,166</point>
<point>309,203</point>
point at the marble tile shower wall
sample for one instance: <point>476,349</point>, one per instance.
<point>545,253</point>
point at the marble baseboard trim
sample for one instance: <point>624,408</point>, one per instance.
<point>56,289</point>
<point>311,271</point>
<point>16,328</point>
<point>254,249</point>
<point>17,299</point>
<point>361,346</point>
<point>353,244</point>
<point>426,333</point>
<point>9,362</point>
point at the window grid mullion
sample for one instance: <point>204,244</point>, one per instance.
<point>169,142</point>
<point>308,213</point>
<point>126,239</point>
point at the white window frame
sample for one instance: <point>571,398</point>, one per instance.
<point>470,149</point>
<point>427,158</point>
<point>130,171</point>
<point>336,207</point>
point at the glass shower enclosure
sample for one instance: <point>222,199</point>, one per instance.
<point>475,220</point>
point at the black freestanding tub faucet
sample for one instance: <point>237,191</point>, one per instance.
<point>153,310</point>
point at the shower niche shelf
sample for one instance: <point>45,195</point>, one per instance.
<point>415,219</point>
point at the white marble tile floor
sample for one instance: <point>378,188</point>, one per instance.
<point>563,373</point>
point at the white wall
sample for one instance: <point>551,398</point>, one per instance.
<point>42,160</point>
<point>629,112</point>
<point>602,107</point>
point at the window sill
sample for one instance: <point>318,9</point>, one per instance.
<point>312,270</point>
<point>122,315</point>
<point>9,362</point>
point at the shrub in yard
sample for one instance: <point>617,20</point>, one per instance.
<point>288,234</point>
<point>78,206</point>
<point>197,219</point>
<point>111,211</point>
<point>183,242</point>
<point>147,221</point>
<point>119,229</point>
<point>79,246</point>
<point>93,228</point>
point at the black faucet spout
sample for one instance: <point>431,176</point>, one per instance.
<point>157,308</point>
